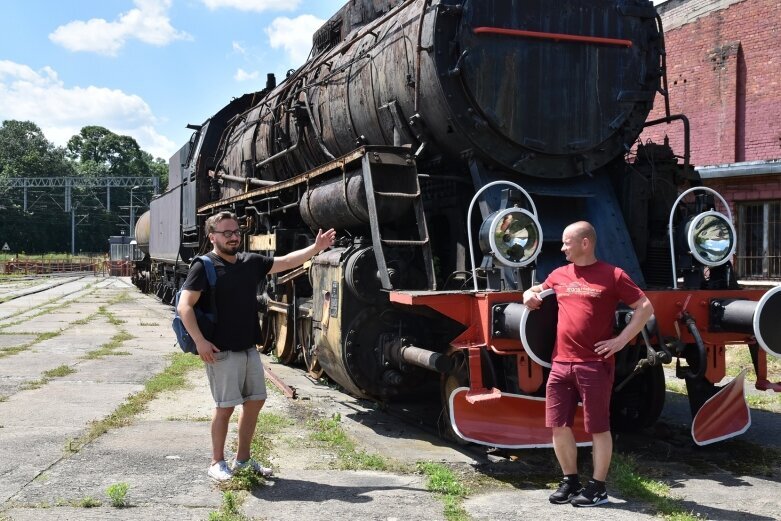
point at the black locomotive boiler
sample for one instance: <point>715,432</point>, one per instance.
<point>450,142</point>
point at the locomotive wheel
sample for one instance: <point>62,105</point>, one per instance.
<point>278,334</point>
<point>308,349</point>
<point>459,377</point>
<point>311,362</point>
<point>640,402</point>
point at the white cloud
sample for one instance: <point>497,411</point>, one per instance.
<point>294,35</point>
<point>237,48</point>
<point>41,97</point>
<point>242,75</point>
<point>149,23</point>
<point>253,5</point>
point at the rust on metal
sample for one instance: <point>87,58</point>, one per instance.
<point>288,391</point>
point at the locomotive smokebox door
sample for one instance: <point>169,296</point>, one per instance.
<point>553,92</point>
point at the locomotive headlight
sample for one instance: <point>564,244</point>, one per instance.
<point>711,238</point>
<point>513,236</point>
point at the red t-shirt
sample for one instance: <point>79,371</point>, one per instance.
<point>587,298</point>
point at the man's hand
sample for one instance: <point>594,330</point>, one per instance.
<point>325,239</point>
<point>607,348</point>
<point>531,299</point>
<point>206,351</point>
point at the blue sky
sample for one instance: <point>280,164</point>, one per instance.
<point>144,68</point>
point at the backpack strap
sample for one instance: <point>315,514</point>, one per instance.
<point>211,276</point>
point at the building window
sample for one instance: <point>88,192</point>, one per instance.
<point>759,240</point>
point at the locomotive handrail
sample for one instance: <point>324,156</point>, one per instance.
<point>686,137</point>
<point>553,36</point>
<point>670,224</point>
<point>469,219</point>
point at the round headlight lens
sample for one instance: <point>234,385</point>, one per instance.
<point>513,236</point>
<point>711,238</point>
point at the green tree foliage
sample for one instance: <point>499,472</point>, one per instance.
<point>95,152</point>
<point>25,152</point>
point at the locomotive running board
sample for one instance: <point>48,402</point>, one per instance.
<point>725,415</point>
<point>509,421</point>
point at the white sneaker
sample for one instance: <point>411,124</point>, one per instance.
<point>220,471</point>
<point>266,472</point>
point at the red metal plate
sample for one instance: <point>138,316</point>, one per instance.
<point>509,421</point>
<point>724,415</point>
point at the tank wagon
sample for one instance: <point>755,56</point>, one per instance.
<point>450,142</point>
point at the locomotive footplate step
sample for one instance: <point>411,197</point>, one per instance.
<point>509,421</point>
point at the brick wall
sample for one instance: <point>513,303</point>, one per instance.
<point>724,73</point>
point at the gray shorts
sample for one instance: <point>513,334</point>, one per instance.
<point>236,377</point>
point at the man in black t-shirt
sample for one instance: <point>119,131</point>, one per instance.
<point>233,365</point>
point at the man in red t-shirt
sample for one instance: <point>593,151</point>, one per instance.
<point>583,367</point>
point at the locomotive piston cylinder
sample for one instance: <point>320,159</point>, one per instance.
<point>341,203</point>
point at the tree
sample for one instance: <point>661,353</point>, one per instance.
<point>25,152</point>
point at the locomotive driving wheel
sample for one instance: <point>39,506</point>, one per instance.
<point>449,382</point>
<point>278,329</point>
<point>308,349</point>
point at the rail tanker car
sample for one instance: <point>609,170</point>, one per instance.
<point>449,142</point>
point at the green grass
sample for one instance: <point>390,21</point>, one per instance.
<point>624,474</point>
<point>261,445</point>
<point>230,509</point>
<point>444,483</point>
<point>88,502</point>
<point>59,371</point>
<point>110,347</point>
<point>24,347</point>
<point>117,493</point>
<point>172,378</point>
<point>62,370</point>
<point>329,432</point>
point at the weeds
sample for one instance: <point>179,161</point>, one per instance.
<point>655,493</point>
<point>24,347</point>
<point>117,493</point>
<point>109,347</point>
<point>89,502</point>
<point>171,379</point>
<point>446,485</point>
<point>330,432</point>
<point>229,510</point>
<point>62,370</point>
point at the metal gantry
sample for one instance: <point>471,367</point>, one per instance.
<point>69,183</point>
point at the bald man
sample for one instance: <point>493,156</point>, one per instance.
<point>588,291</point>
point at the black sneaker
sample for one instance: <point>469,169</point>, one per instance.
<point>590,496</point>
<point>567,489</point>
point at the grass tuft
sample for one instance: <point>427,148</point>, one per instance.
<point>229,510</point>
<point>329,432</point>
<point>443,482</point>
<point>656,493</point>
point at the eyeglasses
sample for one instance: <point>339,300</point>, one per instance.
<point>229,233</point>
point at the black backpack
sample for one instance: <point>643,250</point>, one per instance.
<point>206,321</point>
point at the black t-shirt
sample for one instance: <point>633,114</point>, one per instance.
<point>237,326</point>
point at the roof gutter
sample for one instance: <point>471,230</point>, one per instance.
<point>744,169</point>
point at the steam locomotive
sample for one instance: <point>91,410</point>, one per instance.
<point>449,142</point>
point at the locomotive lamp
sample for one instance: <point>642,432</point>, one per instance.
<point>512,235</point>
<point>711,238</point>
<point>708,236</point>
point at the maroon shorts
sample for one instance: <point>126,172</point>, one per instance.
<point>589,382</point>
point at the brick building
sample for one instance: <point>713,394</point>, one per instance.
<point>724,74</point>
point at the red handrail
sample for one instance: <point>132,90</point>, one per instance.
<point>553,36</point>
